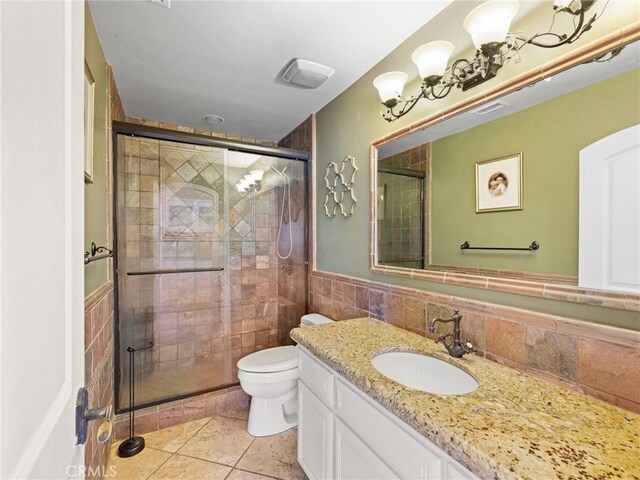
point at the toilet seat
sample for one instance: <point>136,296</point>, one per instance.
<point>276,359</point>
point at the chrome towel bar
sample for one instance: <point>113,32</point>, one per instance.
<point>180,270</point>
<point>534,246</point>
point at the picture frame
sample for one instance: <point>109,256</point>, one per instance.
<point>499,184</point>
<point>89,105</point>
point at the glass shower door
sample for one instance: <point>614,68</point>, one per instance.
<point>208,271</point>
<point>173,280</point>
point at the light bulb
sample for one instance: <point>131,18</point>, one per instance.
<point>431,58</point>
<point>563,4</point>
<point>249,181</point>
<point>489,23</point>
<point>256,175</point>
<point>240,186</point>
<point>390,85</point>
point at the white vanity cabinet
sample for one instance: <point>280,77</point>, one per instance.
<point>345,435</point>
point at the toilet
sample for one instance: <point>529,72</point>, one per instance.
<point>271,378</point>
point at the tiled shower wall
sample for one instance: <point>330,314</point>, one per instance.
<point>597,360</point>
<point>293,271</point>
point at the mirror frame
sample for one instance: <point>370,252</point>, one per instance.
<point>554,287</point>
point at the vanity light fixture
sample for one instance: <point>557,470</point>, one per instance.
<point>488,24</point>
<point>252,181</point>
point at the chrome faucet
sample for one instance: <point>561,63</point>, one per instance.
<point>456,348</point>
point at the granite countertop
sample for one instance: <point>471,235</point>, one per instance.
<point>512,426</point>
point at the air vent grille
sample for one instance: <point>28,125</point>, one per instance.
<point>489,107</point>
<point>162,3</point>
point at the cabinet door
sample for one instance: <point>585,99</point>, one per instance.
<point>315,435</point>
<point>354,460</point>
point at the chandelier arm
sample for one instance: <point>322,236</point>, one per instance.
<point>455,67</point>
<point>407,107</point>
<point>567,39</point>
<point>444,91</point>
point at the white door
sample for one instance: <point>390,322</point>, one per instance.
<point>41,233</point>
<point>610,213</point>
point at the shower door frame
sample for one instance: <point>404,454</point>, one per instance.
<point>156,133</point>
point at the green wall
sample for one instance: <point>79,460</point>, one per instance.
<point>550,136</point>
<point>95,194</point>
<point>349,123</point>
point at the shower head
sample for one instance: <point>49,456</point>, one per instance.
<point>278,171</point>
<point>284,176</point>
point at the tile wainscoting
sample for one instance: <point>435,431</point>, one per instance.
<point>597,360</point>
<point>98,355</point>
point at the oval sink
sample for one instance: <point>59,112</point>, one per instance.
<point>424,373</point>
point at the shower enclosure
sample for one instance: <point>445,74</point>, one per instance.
<point>401,217</point>
<point>203,266</point>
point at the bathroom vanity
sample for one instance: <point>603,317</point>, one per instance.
<point>344,434</point>
<point>356,423</point>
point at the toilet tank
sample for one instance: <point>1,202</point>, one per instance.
<point>314,319</point>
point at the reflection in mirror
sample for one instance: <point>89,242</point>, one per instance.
<point>401,200</point>
<point>549,124</point>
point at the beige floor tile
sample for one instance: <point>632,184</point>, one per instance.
<point>139,467</point>
<point>172,438</point>
<point>241,414</point>
<point>274,456</point>
<point>179,467</point>
<point>222,440</point>
<point>242,475</point>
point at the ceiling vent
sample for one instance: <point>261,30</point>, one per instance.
<point>489,107</point>
<point>162,3</point>
<point>306,73</point>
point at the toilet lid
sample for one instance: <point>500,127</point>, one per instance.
<point>276,359</point>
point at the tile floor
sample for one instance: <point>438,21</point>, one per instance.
<point>213,448</point>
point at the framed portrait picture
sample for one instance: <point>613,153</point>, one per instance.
<point>499,184</point>
<point>89,99</point>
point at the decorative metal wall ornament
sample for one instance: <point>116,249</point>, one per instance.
<point>340,194</point>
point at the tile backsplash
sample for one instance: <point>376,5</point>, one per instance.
<point>597,360</point>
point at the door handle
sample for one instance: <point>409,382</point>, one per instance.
<point>84,415</point>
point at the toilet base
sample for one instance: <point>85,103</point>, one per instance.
<point>269,416</point>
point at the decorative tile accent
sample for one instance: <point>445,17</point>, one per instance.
<point>191,205</point>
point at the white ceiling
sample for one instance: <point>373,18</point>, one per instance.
<point>225,57</point>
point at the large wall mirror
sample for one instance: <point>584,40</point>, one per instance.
<point>505,174</point>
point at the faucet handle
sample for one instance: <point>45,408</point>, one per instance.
<point>468,347</point>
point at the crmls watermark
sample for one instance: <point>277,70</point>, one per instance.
<point>82,471</point>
